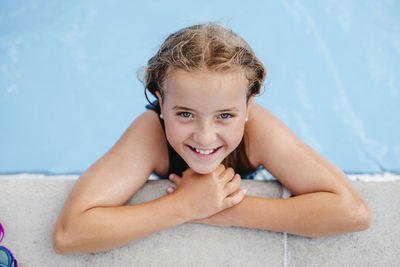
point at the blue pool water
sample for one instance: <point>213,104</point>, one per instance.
<point>68,85</point>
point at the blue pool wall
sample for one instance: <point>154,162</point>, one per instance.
<point>69,87</point>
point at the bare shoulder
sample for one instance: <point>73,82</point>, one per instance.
<point>143,145</point>
<point>119,173</point>
<point>295,164</point>
<point>261,128</point>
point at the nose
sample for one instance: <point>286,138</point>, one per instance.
<point>205,134</point>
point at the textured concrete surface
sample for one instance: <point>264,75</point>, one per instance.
<point>377,246</point>
<point>29,209</point>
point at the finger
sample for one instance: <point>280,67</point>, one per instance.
<point>174,178</point>
<point>235,198</point>
<point>233,185</point>
<point>227,175</point>
<point>220,169</point>
<point>170,189</point>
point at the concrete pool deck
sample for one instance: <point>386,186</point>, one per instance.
<point>29,206</point>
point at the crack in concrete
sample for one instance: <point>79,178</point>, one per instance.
<point>285,194</point>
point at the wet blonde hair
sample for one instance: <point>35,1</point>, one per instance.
<point>204,47</point>
<point>207,47</point>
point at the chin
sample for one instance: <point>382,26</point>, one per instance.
<point>203,169</point>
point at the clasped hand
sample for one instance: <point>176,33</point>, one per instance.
<point>204,196</point>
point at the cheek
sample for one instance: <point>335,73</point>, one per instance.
<point>234,134</point>
<point>175,134</point>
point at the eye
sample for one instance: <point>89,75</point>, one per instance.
<point>185,114</point>
<point>225,116</point>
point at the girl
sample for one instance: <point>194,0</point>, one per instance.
<point>205,132</point>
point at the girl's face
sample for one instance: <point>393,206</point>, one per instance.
<point>204,114</point>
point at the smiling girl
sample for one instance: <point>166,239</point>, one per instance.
<point>204,133</point>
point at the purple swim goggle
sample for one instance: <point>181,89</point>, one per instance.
<point>6,257</point>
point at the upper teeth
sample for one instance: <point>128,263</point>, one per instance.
<point>209,151</point>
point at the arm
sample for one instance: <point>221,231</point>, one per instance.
<point>93,218</point>
<point>103,228</point>
<point>324,201</point>
<point>313,215</point>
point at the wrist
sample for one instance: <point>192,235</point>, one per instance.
<point>179,207</point>
<point>235,213</point>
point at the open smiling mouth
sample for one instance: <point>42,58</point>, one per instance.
<point>204,151</point>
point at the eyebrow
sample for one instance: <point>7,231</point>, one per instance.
<point>190,109</point>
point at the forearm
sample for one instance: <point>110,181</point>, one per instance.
<point>103,228</point>
<point>314,215</point>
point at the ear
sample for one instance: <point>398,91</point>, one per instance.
<point>160,102</point>
<point>159,98</point>
<point>249,102</point>
<point>250,99</point>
